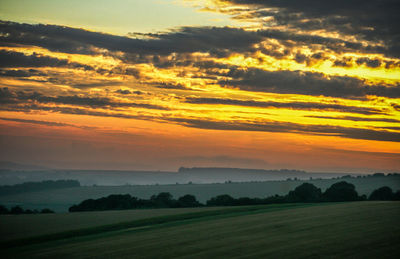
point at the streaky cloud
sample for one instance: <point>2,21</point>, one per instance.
<point>287,105</point>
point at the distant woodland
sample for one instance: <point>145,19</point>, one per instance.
<point>37,186</point>
<point>305,193</point>
<point>16,210</point>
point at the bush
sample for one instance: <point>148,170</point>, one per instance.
<point>123,202</point>
<point>163,200</point>
<point>188,201</point>
<point>45,211</point>
<point>3,210</point>
<point>221,200</point>
<point>396,196</point>
<point>305,193</point>
<point>16,210</point>
<point>382,194</point>
<point>341,191</point>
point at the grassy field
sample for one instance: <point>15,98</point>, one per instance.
<point>28,225</point>
<point>60,200</point>
<point>357,230</point>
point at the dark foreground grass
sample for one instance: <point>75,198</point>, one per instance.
<point>357,230</point>
<point>180,218</point>
<point>24,226</point>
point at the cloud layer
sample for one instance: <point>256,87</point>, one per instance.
<point>306,67</point>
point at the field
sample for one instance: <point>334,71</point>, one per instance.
<point>340,230</point>
<point>28,225</point>
<point>60,200</point>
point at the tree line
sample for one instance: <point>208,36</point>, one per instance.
<point>37,186</point>
<point>18,210</point>
<point>338,192</point>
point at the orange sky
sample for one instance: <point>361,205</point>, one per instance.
<point>239,88</point>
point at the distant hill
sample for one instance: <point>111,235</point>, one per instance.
<point>37,186</point>
<point>239,170</point>
<point>219,174</point>
<point>182,176</point>
<point>7,165</point>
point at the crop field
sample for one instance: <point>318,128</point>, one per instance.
<point>27,225</point>
<point>339,230</point>
<point>60,200</point>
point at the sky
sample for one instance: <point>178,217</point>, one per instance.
<point>160,84</point>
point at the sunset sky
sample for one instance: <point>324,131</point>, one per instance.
<point>158,84</point>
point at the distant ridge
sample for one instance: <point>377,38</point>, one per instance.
<point>17,173</point>
<point>233,169</point>
<point>7,165</point>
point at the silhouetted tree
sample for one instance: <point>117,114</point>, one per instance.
<point>362,197</point>
<point>306,192</point>
<point>248,201</point>
<point>341,191</point>
<point>44,211</point>
<point>382,194</point>
<point>274,199</point>
<point>187,201</point>
<point>163,200</point>
<point>28,211</point>
<point>221,200</point>
<point>396,196</point>
<point>16,210</point>
<point>117,202</point>
<point>3,210</point>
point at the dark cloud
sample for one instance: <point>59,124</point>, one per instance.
<point>218,41</point>
<point>120,91</point>
<point>11,97</point>
<point>48,123</point>
<point>74,110</point>
<point>369,62</point>
<point>392,64</point>
<point>275,126</point>
<point>373,20</point>
<point>20,72</point>
<point>132,72</point>
<point>290,39</point>
<point>176,86</point>
<point>84,85</point>
<point>300,58</point>
<point>267,126</point>
<point>205,39</point>
<point>12,59</point>
<point>351,118</point>
<point>307,83</point>
<point>185,40</point>
<point>287,105</point>
<point>344,62</point>
<point>7,96</point>
<point>395,106</point>
<point>391,128</point>
<point>17,59</point>
<point>127,92</point>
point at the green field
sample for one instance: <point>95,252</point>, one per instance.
<point>28,225</point>
<point>339,230</point>
<point>60,200</point>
